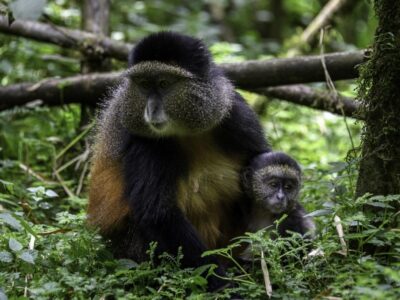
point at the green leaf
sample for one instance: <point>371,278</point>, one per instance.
<point>51,194</point>
<point>27,10</point>
<point>25,225</point>
<point>6,201</point>
<point>14,245</point>
<point>337,167</point>
<point>27,256</point>
<point>320,212</point>
<point>127,263</point>
<point>5,257</point>
<point>36,190</point>
<point>201,270</point>
<point>9,186</point>
<point>379,204</point>
<point>3,295</point>
<point>10,220</point>
<point>199,280</point>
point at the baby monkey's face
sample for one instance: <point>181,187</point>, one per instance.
<point>276,188</point>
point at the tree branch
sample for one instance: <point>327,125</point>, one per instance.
<point>306,96</point>
<point>302,69</point>
<point>87,89</point>
<point>68,38</point>
<point>323,18</point>
<point>247,75</point>
<point>251,74</point>
<point>90,89</point>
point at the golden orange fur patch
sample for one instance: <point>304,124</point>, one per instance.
<point>107,208</point>
<point>207,194</point>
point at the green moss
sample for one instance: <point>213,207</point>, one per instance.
<point>379,91</point>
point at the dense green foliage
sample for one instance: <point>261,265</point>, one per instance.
<point>46,252</point>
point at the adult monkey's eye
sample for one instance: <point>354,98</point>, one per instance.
<point>163,83</point>
<point>143,83</point>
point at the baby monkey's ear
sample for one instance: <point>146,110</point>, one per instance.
<point>246,180</point>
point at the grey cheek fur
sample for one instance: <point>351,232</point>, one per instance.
<point>131,107</point>
<point>192,106</point>
<point>109,131</point>
<point>123,110</point>
<point>197,106</point>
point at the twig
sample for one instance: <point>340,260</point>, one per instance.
<point>69,163</point>
<point>323,18</point>
<point>61,230</point>
<point>32,242</point>
<point>61,181</point>
<point>267,280</point>
<point>332,88</point>
<point>339,229</point>
<point>28,277</point>
<point>28,170</point>
<point>315,253</point>
<point>81,178</point>
<point>75,140</point>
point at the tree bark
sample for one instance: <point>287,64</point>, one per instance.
<point>321,100</point>
<point>341,65</point>
<point>247,75</point>
<point>302,69</point>
<point>87,89</point>
<point>67,38</point>
<point>95,18</point>
<point>90,89</point>
<point>379,172</point>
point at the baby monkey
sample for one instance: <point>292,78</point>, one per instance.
<point>273,181</point>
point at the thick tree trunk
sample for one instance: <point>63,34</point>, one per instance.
<point>380,90</point>
<point>95,18</point>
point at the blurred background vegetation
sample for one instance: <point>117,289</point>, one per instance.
<point>44,158</point>
<point>234,29</point>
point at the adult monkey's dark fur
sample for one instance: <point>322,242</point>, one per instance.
<point>178,185</point>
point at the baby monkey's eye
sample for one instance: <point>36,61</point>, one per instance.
<point>288,186</point>
<point>273,184</point>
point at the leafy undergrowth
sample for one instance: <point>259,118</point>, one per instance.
<point>46,251</point>
<point>66,260</point>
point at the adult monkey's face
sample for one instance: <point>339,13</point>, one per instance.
<point>158,99</point>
